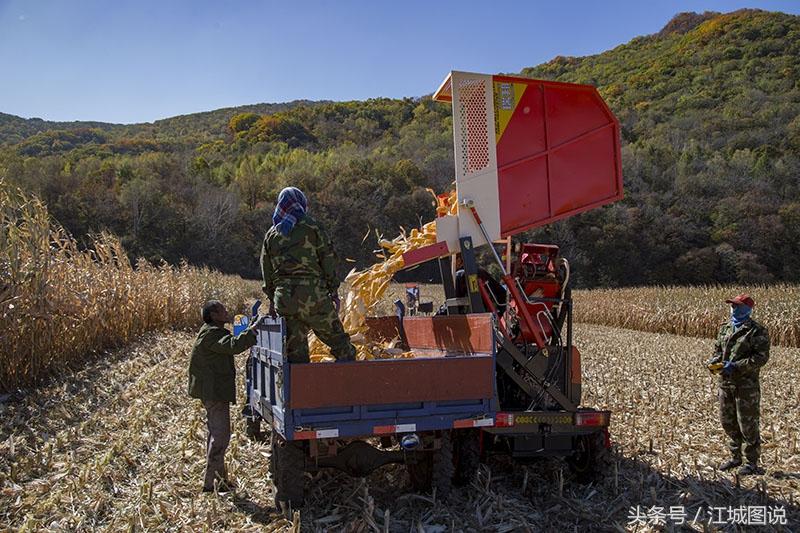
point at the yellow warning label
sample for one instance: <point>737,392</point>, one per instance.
<point>506,98</point>
<point>473,282</point>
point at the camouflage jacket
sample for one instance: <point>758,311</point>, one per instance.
<point>748,349</point>
<point>212,373</point>
<point>305,255</point>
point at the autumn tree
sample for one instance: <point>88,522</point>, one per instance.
<point>242,122</point>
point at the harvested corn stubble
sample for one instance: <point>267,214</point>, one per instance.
<point>365,289</point>
<point>119,446</point>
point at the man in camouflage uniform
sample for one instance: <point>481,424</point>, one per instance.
<point>741,349</point>
<point>299,271</point>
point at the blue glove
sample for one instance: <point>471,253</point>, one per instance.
<point>728,368</point>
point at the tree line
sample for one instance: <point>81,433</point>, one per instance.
<point>710,115</point>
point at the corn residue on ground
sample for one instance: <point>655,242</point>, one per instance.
<point>120,446</point>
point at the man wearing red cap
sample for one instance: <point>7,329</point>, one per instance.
<point>742,348</point>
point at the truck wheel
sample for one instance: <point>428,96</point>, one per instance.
<point>467,456</point>
<point>443,469</point>
<point>420,471</point>
<point>253,428</point>
<point>288,468</point>
<point>590,458</point>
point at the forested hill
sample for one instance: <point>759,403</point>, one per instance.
<point>710,113</point>
<point>196,126</point>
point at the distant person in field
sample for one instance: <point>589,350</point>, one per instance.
<point>212,379</point>
<point>299,271</point>
<point>742,348</point>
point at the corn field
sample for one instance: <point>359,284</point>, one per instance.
<point>115,444</point>
<point>60,303</point>
<point>691,311</point>
<point>119,446</point>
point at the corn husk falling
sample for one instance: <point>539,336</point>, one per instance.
<point>365,288</point>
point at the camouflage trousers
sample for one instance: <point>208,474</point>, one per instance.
<point>307,307</point>
<point>739,409</point>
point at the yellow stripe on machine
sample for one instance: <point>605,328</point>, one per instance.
<point>506,98</point>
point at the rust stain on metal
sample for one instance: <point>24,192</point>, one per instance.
<point>391,381</point>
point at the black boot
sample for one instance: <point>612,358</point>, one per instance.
<point>731,464</point>
<point>749,469</point>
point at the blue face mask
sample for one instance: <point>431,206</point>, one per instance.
<point>740,314</point>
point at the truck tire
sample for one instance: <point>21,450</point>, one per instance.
<point>420,471</point>
<point>443,469</point>
<point>467,456</point>
<point>253,428</point>
<point>433,470</point>
<point>589,460</point>
<point>287,466</point>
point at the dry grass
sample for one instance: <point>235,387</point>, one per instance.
<point>691,311</point>
<point>59,304</point>
<point>120,447</point>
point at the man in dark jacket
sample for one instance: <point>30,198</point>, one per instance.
<point>212,379</point>
<point>741,349</point>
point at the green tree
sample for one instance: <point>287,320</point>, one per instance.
<point>250,182</point>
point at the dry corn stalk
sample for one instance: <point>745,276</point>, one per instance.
<point>365,288</point>
<point>691,311</point>
<point>62,303</point>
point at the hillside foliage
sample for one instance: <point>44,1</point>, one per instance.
<point>710,114</point>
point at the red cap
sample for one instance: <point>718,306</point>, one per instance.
<point>742,299</point>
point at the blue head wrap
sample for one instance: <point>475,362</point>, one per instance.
<point>291,207</point>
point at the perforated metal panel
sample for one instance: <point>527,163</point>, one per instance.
<point>472,104</point>
<point>476,157</point>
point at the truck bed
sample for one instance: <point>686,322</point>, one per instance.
<point>449,383</point>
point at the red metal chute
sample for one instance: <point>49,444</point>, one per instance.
<point>559,154</point>
<point>528,152</point>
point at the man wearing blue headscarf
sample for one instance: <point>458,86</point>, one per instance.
<point>298,267</point>
<point>741,349</point>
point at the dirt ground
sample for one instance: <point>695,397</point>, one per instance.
<point>119,446</point>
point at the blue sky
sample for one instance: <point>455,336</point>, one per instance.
<point>136,61</point>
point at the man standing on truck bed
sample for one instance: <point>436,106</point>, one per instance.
<point>212,379</point>
<point>299,272</point>
<point>741,349</point>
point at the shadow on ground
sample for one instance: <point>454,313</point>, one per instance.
<point>543,495</point>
